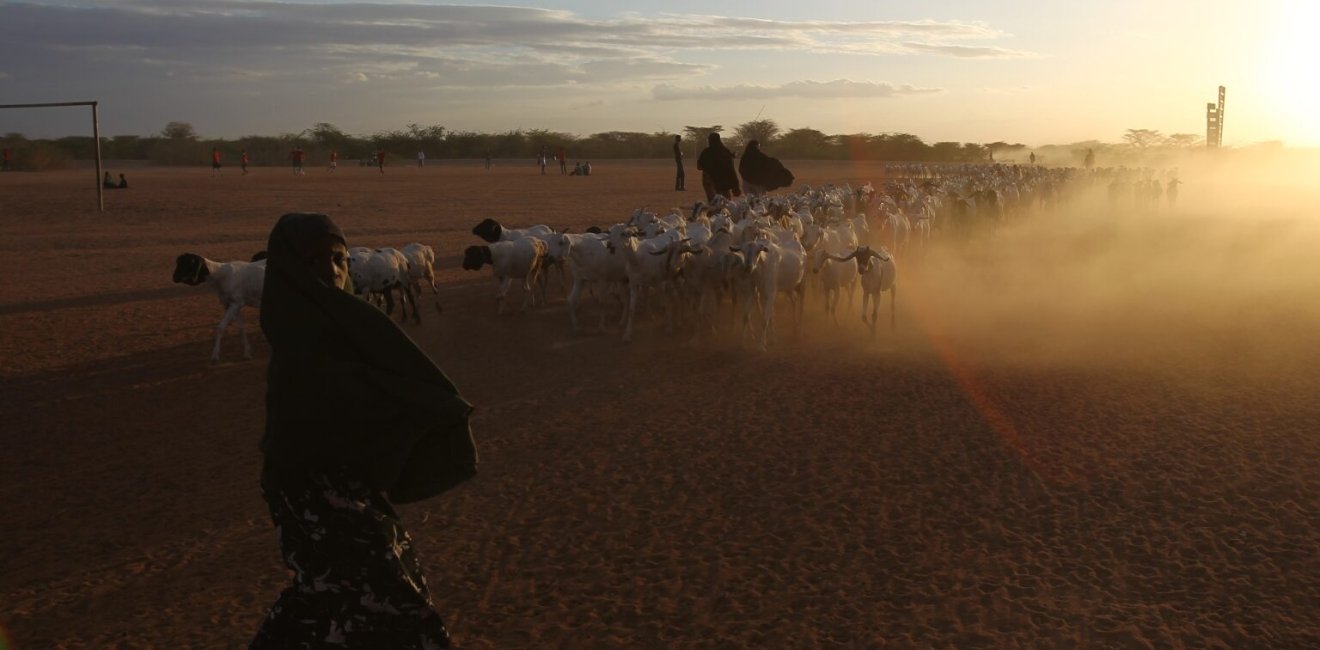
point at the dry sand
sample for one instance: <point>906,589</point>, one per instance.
<point>1090,431</point>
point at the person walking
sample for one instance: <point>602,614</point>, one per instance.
<point>380,160</point>
<point>680,179</point>
<point>215,161</point>
<point>334,463</point>
<point>761,173</point>
<point>541,158</point>
<point>334,160</point>
<point>243,162</point>
<point>716,166</point>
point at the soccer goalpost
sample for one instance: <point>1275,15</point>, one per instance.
<point>96,137</point>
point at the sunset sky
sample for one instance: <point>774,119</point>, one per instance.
<point>961,70</point>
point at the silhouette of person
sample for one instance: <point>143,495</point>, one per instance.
<point>761,173</point>
<point>716,166</point>
<point>680,179</point>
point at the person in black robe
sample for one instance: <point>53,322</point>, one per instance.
<point>357,418</point>
<point>761,173</point>
<point>717,174</point>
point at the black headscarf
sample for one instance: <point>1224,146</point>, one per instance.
<point>717,162</point>
<point>758,168</point>
<point>347,390</point>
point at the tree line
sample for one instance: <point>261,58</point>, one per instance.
<point>179,144</point>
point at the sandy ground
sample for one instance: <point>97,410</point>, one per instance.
<point>1089,431</point>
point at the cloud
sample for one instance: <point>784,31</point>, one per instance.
<point>837,89</point>
<point>967,52</point>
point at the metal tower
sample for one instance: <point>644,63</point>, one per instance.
<point>1214,122</point>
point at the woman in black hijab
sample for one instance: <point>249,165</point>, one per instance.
<point>761,173</point>
<point>716,165</point>
<point>357,417</point>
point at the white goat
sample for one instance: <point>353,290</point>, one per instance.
<point>377,274</point>
<point>490,231</point>
<point>594,268</point>
<point>509,260</point>
<point>236,283</point>
<point>421,269</point>
<point>879,274</point>
<point>650,263</point>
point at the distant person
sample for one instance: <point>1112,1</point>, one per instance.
<point>334,463</point>
<point>108,182</point>
<point>1033,157</point>
<point>541,159</point>
<point>1171,191</point>
<point>563,161</point>
<point>716,166</point>
<point>1090,159</point>
<point>487,154</point>
<point>243,162</point>
<point>4,165</point>
<point>215,161</point>
<point>298,157</point>
<point>421,158</point>
<point>334,160</point>
<point>380,160</point>
<point>761,173</point>
<point>577,170</point>
<point>586,168</point>
<point>123,182</point>
<point>681,178</point>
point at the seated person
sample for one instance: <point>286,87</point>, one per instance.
<point>123,182</point>
<point>108,183</point>
<point>586,169</point>
<point>577,170</point>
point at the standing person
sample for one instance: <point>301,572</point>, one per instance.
<point>421,158</point>
<point>761,173</point>
<point>541,157</point>
<point>334,463</point>
<point>1033,157</point>
<point>5,163</point>
<point>298,156</point>
<point>716,166</point>
<point>334,160</point>
<point>215,161</point>
<point>243,162</point>
<point>487,159</point>
<point>680,179</point>
<point>380,160</point>
<point>563,161</point>
<point>1171,191</point>
<point>1090,159</point>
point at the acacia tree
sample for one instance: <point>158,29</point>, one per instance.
<point>1184,140</point>
<point>699,133</point>
<point>805,143</point>
<point>763,131</point>
<point>179,131</point>
<point>1143,138</point>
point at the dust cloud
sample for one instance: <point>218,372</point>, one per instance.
<point>1224,283</point>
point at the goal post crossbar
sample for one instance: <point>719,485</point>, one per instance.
<point>96,137</point>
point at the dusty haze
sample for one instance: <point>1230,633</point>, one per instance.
<point>1091,429</point>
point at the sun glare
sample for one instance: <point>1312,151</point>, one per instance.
<point>1292,50</point>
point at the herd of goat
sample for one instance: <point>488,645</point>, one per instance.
<point>699,265</point>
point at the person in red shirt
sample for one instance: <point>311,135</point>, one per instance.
<point>334,160</point>
<point>380,160</point>
<point>215,161</point>
<point>563,161</point>
<point>243,162</point>
<point>6,161</point>
<point>298,160</point>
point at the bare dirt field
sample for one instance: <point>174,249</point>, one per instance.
<point>1090,430</point>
